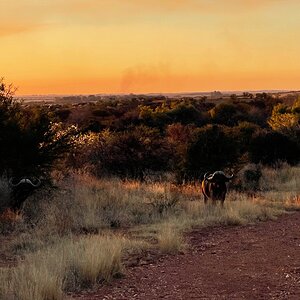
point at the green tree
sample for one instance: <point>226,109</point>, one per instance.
<point>286,119</point>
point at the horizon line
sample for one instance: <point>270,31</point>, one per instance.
<point>159,93</point>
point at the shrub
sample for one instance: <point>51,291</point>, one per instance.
<point>212,148</point>
<point>248,178</point>
<point>30,140</point>
<point>185,114</point>
<point>127,154</point>
<point>286,119</point>
<point>269,147</point>
<point>224,113</point>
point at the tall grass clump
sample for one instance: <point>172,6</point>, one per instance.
<point>237,210</point>
<point>67,266</point>
<point>170,239</point>
<point>84,204</point>
<point>283,179</point>
<point>281,186</point>
<point>101,259</point>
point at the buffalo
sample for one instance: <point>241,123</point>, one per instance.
<point>21,189</point>
<point>214,186</point>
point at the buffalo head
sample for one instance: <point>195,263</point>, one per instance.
<point>214,186</point>
<point>21,189</point>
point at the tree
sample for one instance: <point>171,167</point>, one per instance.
<point>178,137</point>
<point>224,113</point>
<point>243,134</point>
<point>212,148</point>
<point>185,114</point>
<point>127,154</point>
<point>269,147</point>
<point>30,140</point>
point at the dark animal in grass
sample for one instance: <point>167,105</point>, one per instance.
<point>21,189</point>
<point>214,186</point>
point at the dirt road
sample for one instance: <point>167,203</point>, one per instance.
<point>259,261</point>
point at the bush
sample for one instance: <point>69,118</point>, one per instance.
<point>269,147</point>
<point>248,178</point>
<point>224,113</point>
<point>179,112</point>
<point>125,154</point>
<point>212,148</point>
<point>286,119</point>
<point>185,114</point>
<point>30,140</point>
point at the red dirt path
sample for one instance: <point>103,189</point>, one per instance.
<point>259,261</point>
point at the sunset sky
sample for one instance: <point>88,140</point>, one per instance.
<point>140,46</point>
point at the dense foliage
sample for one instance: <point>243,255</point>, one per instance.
<point>132,136</point>
<point>30,140</point>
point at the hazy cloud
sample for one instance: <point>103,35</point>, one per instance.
<point>143,76</point>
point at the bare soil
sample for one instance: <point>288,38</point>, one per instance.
<point>260,261</point>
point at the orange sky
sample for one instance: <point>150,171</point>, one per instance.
<point>123,46</point>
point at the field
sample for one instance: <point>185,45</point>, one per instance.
<point>90,230</point>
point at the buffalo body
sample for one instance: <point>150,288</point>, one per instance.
<point>214,186</point>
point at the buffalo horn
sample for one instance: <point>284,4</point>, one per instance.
<point>16,184</point>
<point>206,175</point>
<point>25,180</point>
<point>229,177</point>
<point>220,173</point>
<point>34,185</point>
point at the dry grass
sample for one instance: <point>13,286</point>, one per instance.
<point>5,283</point>
<point>170,239</point>
<point>283,179</point>
<point>59,256</point>
<point>69,265</point>
<point>281,187</point>
<point>91,206</point>
<point>234,213</point>
<point>194,214</point>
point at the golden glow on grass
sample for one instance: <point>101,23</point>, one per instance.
<point>149,46</point>
<point>74,243</point>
